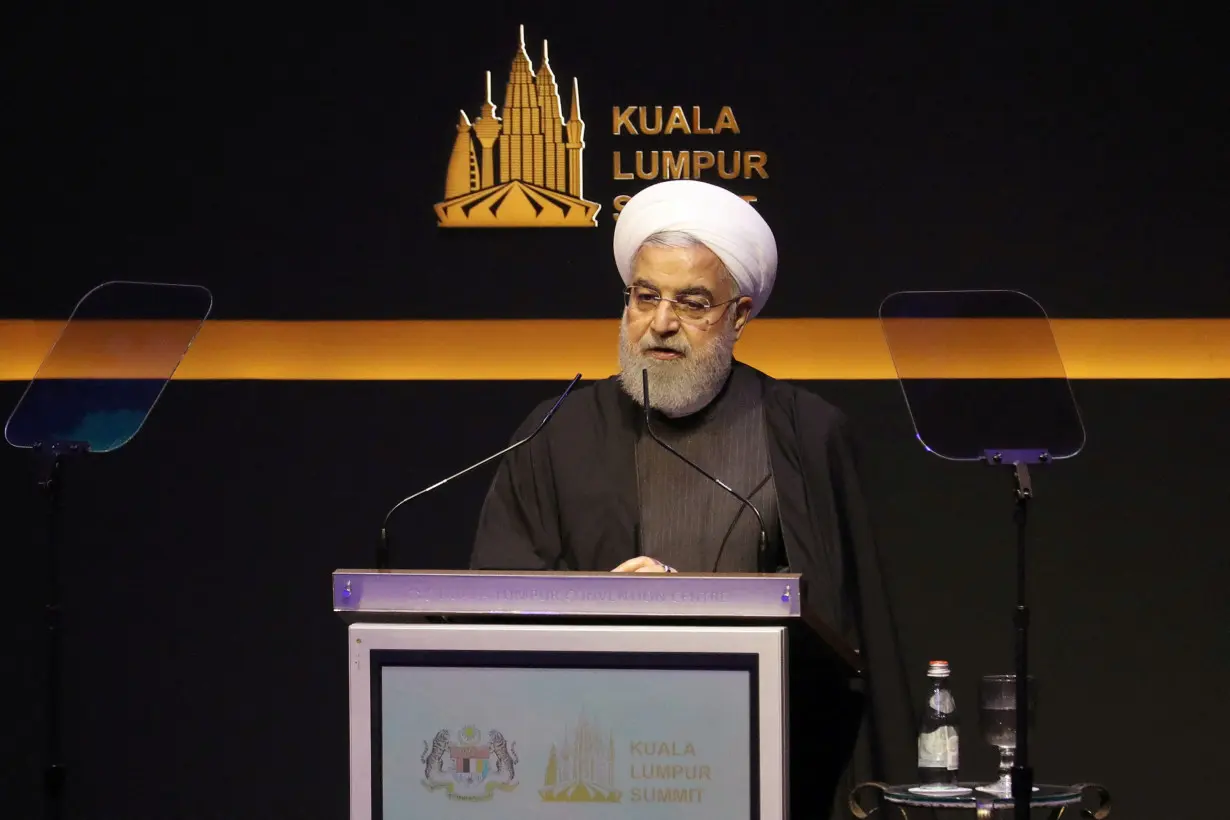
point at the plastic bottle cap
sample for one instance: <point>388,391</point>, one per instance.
<point>937,669</point>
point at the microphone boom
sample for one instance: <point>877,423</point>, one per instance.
<point>382,554</point>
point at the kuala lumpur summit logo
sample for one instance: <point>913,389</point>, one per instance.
<point>581,767</point>
<point>519,166</point>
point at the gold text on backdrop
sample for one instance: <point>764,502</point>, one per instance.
<point>635,120</point>
<point>657,120</point>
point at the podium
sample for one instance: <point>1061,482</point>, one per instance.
<point>604,695</point>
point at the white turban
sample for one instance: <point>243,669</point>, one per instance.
<point>723,221</point>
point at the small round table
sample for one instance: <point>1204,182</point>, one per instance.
<point>1055,798</point>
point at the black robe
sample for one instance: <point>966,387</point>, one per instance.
<point>568,501</point>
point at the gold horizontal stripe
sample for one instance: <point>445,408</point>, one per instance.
<point>559,349</point>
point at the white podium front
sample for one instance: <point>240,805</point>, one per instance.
<point>560,695</point>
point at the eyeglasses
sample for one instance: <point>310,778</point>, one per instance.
<point>691,309</point>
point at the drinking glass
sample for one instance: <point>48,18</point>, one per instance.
<point>997,718</point>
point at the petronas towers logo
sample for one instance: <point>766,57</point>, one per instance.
<point>521,169</point>
<point>581,767</point>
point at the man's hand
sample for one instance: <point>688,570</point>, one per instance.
<point>642,563</point>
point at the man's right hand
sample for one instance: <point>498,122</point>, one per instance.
<point>642,563</point>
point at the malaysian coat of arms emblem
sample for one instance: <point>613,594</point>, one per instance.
<point>471,767</point>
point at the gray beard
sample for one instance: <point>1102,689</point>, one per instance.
<point>677,387</point>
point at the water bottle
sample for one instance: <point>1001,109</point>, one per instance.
<point>937,737</point>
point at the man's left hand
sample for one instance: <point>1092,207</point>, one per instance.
<point>642,563</point>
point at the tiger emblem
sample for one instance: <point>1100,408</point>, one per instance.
<point>505,756</point>
<point>433,757</point>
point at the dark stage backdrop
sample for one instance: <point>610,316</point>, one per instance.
<point>291,163</point>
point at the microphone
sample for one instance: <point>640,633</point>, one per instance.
<point>382,553</point>
<point>764,538</point>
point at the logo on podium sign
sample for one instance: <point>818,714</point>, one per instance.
<point>473,767</point>
<point>581,767</point>
<point>519,165</point>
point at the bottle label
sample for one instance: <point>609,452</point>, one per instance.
<point>939,749</point>
<point>942,702</point>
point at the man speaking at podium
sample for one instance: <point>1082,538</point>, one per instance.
<point>596,492</point>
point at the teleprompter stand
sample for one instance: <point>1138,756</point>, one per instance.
<point>1022,771</point>
<point>984,382</point>
<point>52,460</point>
<point>92,393</point>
